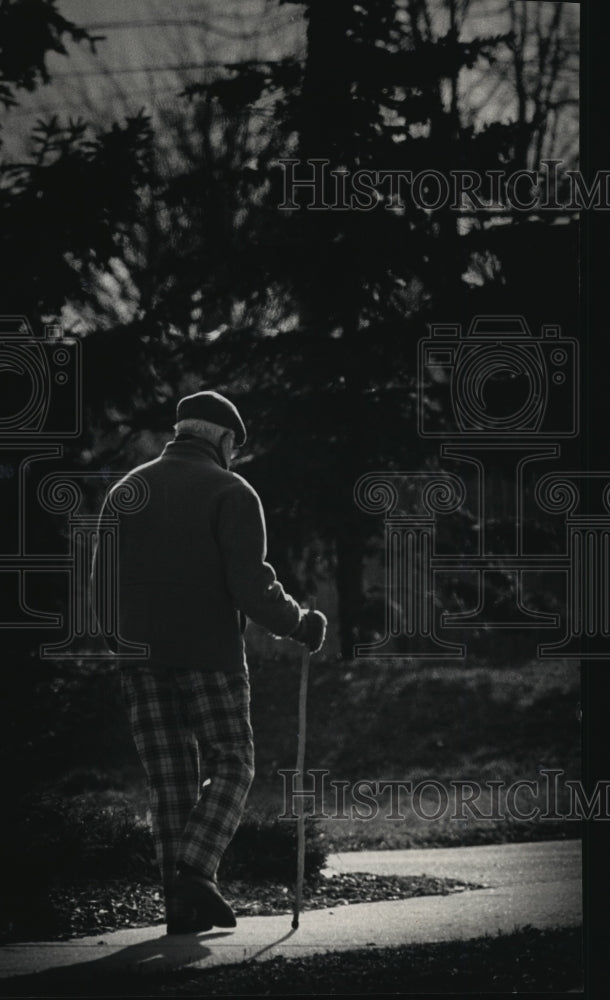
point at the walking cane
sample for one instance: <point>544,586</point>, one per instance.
<point>300,766</point>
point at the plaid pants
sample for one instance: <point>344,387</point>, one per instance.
<point>188,725</point>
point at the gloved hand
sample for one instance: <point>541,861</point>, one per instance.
<point>311,630</point>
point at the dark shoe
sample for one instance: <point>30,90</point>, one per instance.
<point>205,896</point>
<point>184,918</point>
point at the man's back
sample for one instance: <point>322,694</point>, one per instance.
<point>192,558</point>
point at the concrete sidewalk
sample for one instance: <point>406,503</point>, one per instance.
<point>537,884</point>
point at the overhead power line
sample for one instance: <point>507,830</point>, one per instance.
<point>123,70</point>
<point>192,23</point>
<point>168,68</point>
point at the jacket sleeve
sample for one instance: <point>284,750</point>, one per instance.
<point>251,581</point>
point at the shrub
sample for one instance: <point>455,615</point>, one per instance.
<point>54,841</point>
<point>267,849</point>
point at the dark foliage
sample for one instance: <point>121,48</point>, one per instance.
<point>67,210</point>
<point>29,30</point>
<point>263,849</point>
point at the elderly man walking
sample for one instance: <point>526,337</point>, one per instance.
<point>192,570</point>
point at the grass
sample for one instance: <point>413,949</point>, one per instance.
<point>372,721</point>
<point>367,721</point>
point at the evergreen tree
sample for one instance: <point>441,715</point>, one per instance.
<point>309,317</point>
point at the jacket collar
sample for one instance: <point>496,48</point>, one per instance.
<point>189,446</point>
